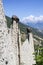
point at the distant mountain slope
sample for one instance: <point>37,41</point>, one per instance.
<point>23,28</point>
<point>38,25</point>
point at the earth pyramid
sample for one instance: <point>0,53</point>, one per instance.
<point>11,50</point>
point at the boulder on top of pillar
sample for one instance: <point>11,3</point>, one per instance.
<point>29,30</point>
<point>14,17</point>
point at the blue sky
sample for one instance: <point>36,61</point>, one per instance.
<point>23,8</point>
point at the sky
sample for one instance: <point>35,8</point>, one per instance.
<point>24,9</point>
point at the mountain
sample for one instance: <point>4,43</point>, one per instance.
<point>23,27</point>
<point>38,25</point>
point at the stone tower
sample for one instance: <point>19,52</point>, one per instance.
<point>31,46</point>
<point>27,50</point>
<point>15,37</point>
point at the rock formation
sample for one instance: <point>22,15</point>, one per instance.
<point>11,50</point>
<point>27,50</point>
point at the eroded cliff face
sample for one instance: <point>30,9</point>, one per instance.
<point>7,54</point>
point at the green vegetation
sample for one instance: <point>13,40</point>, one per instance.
<point>42,43</point>
<point>39,55</point>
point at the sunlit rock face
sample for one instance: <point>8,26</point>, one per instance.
<point>7,55</point>
<point>27,50</point>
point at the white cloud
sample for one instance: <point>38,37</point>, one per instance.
<point>32,19</point>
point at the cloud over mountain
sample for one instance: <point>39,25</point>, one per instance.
<point>32,19</point>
